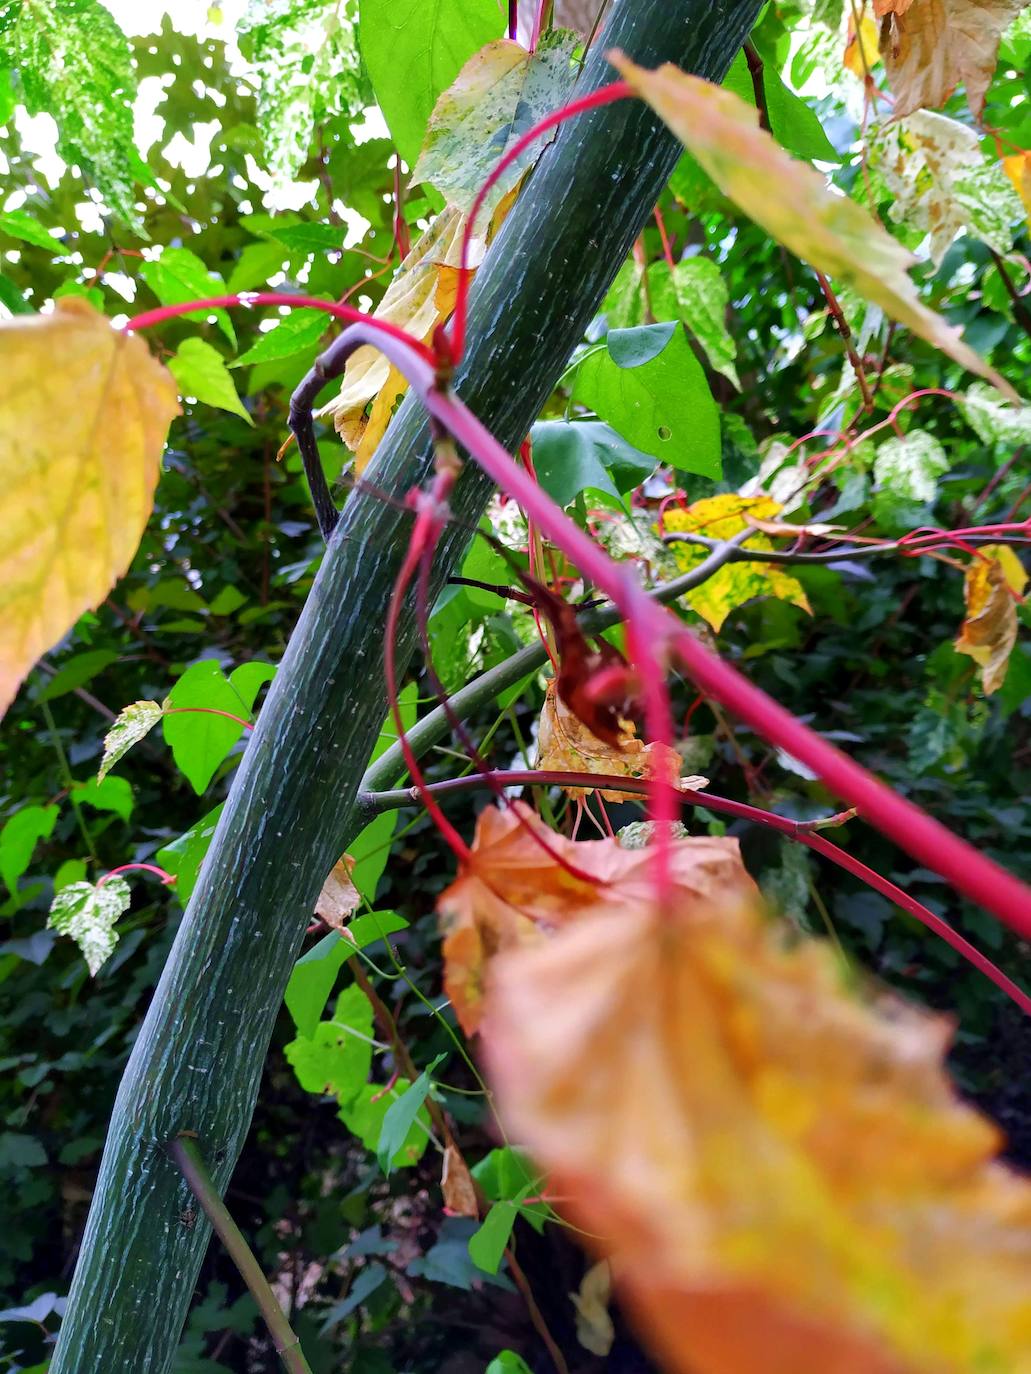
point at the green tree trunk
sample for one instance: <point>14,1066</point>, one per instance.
<point>198,1059</point>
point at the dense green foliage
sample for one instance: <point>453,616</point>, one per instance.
<point>343,1209</point>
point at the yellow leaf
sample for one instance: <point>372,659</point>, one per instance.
<point>932,46</point>
<point>989,631</point>
<point>84,412</point>
<point>564,744</point>
<point>523,881</point>
<point>339,897</point>
<point>780,1172</point>
<point>793,202</point>
<point>1018,169</point>
<point>861,55</point>
<point>720,517</point>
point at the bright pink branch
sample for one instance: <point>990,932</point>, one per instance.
<point>167,878</point>
<point>207,711</point>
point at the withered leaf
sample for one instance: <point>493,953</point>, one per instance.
<point>989,631</point>
<point>339,898</point>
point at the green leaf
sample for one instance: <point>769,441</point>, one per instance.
<point>108,794</point>
<point>507,1175</point>
<point>993,418</point>
<point>508,1362</point>
<point>573,457</point>
<point>132,723</point>
<point>184,856</point>
<point>21,225</point>
<point>413,51</point>
<point>309,238</point>
<point>649,386</point>
<point>298,332</point>
<point>487,1245</point>
<point>12,298</point>
<point>336,1059</point>
<point>793,123</point>
<point>314,974</point>
<point>19,837</point>
<point>364,1285</point>
<point>254,266</point>
<point>178,276</point>
<point>907,469</point>
<point>74,63</point>
<point>307,72</point>
<point>200,741</point>
<point>87,914</point>
<point>364,1116</point>
<point>201,372</point>
<point>500,93</point>
<point>400,1117</point>
<point>19,1151</point>
<point>701,297</point>
<point>76,671</point>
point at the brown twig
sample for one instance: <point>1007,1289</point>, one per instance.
<point>1020,311</point>
<point>842,326</point>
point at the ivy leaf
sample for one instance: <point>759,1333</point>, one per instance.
<point>74,63</point>
<point>500,93</point>
<point>201,372</point>
<point>721,517</point>
<point>793,203</point>
<point>932,46</point>
<point>314,974</point>
<point>989,630</point>
<point>365,1114</point>
<point>87,913</point>
<point>401,1116</point>
<point>573,457</point>
<point>336,1059</point>
<point>649,386</point>
<point>84,473</point>
<point>307,72</point>
<point>298,332</point>
<point>942,183</point>
<point>178,276</point>
<point>413,52</point>
<point>132,724</point>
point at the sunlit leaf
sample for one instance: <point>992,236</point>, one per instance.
<point>87,914</point>
<point>721,517</point>
<point>780,1171</point>
<point>18,839</point>
<point>178,276</point>
<point>942,183</point>
<point>564,744</point>
<point>78,477</point>
<point>413,52</point>
<point>201,372</point>
<point>1018,169</point>
<point>793,203</point>
<point>500,93</point>
<point>523,881</point>
<point>21,225</point>
<point>298,332</point>
<point>861,55</point>
<point>992,418</point>
<point>932,46</point>
<point>989,630</point>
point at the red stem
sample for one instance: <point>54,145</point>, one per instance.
<point>618,90</point>
<point>207,711</point>
<point>251,298</point>
<point>167,878</point>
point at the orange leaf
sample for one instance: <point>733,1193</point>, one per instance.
<point>457,1185</point>
<point>780,1172</point>
<point>989,631</point>
<point>1018,169</point>
<point>339,897</point>
<point>793,202</point>
<point>861,54</point>
<point>566,745</point>
<point>932,46</point>
<point>84,411</point>
<point>515,892</point>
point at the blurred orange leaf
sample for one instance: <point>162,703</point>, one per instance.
<point>781,1172</point>
<point>84,412</point>
<point>793,202</point>
<point>1018,169</point>
<point>989,631</point>
<point>932,46</point>
<point>720,517</point>
<point>515,892</point>
<point>566,745</point>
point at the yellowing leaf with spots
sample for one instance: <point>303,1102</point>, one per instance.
<point>861,55</point>
<point>1018,169</point>
<point>778,1168</point>
<point>989,632</point>
<point>720,517</point>
<point>793,202</point>
<point>84,411</point>
<point>500,93</point>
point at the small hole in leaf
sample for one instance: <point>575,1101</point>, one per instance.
<point>665,433</point>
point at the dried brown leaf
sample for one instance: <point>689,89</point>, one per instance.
<point>989,631</point>
<point>339,898</point>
